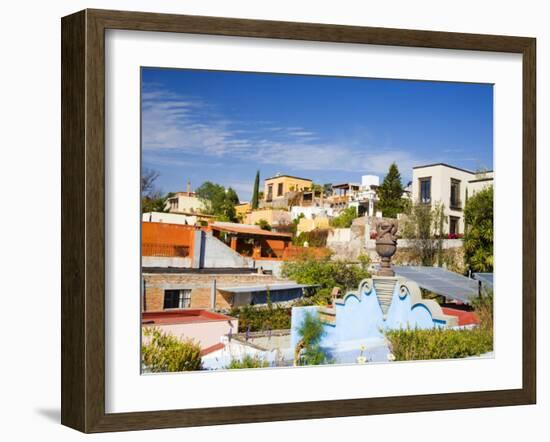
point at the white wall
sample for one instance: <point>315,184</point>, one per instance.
<point>30,160</point>
<point>441,189</point>
<point>171,218</point>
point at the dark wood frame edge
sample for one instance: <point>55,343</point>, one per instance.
<point>83,215</point>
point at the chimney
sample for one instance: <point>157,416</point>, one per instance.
<point>189,186</point>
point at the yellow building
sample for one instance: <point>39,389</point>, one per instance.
<point>242,209</point>
<point>276,187</point>
<point>273,217</point>
<point>307,225</point>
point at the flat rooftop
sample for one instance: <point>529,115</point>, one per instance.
<point>182,316</point>
<point>287,176</point>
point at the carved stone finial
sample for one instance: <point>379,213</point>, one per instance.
<point>386,244</point>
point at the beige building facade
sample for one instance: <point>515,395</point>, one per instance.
<point>442,183</point>
<point>185,202</point>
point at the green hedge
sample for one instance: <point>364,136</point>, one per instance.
<point>247,362</point>
<point>261,318</point>
<point>409,345</point>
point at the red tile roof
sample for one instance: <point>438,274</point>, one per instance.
<point>212,348</point>
<point>464,317</point>
<point>182,316</point>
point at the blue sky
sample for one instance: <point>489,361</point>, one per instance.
<point>223,126</point>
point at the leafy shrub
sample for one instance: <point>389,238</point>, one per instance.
<point>247,362</point>
<point>326,274</point>
<point>345,218</point>
<point>311,331</point>
<point>314,238</point>
<point>261,318</point>
<point>263,224</point>
<point>416,344</point>
<point>163,352</point>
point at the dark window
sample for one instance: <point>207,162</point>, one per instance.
<point>455,194</point>
<point>453,225</point>
<point>425,190</point>
<point>269,192</point>
<point>280,189</point>
<point>177,299</point>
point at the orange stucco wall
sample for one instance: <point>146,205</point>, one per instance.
<point>168,234</point>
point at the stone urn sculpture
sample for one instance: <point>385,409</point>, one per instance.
<point>386,244</point>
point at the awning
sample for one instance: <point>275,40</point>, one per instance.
<point>265,287</point>
<point>441,281</point>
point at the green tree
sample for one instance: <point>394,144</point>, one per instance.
<point>478,239</point>
<point>256,192</point>
<point>345,219</point>
<point>152,199</point>
<point>325,274</point>
<point>163,352</point>
<point>390,193</point>
<point>423,226</point>
<point>218,200</point>
<point>311,332</point>
<point>153,203</point>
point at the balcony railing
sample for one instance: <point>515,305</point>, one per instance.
<point>164,250</point>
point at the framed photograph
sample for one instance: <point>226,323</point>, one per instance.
<point>267,221</point>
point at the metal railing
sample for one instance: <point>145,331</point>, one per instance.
<point>164,250</point>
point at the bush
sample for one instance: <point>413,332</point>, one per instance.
<point>483,307</point>
<point>415,344</point>
<point>165,353</point>
<point>326,274</point>
<point>247,362</point>
<point>314,238</point>
<point>261,318</point>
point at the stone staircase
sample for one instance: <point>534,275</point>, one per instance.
<point>384,290</point>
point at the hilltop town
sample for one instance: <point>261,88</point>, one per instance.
<point>226,273</point>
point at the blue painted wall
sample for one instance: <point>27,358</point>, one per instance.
<point>360,322</point>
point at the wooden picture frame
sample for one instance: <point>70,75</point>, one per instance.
<point>83,220</point>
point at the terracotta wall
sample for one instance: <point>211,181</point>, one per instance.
<point>160,237</point>
<point>275,246</point>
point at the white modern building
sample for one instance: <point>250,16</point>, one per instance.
<point>363,200</point>
<point>442,183</point>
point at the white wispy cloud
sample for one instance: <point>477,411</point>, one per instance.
<point>187,124</point>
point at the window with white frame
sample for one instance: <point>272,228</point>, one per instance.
<point>179,298</point>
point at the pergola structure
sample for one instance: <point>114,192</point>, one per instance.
<point>252,241</point>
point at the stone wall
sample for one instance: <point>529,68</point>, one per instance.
<point>350,243</point>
